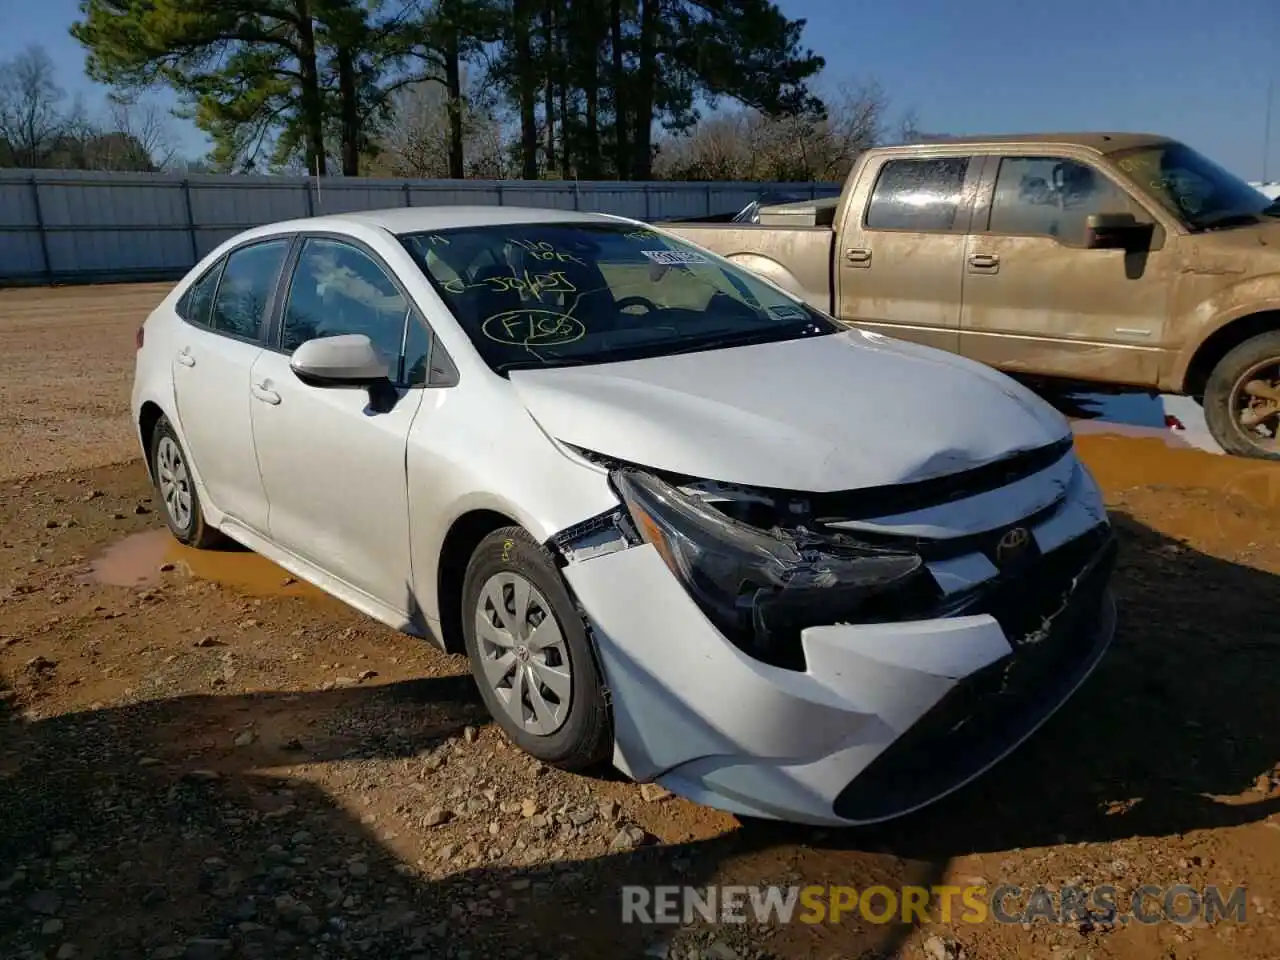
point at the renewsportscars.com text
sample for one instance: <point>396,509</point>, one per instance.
<point>1004,903</point>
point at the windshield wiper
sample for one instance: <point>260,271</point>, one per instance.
<point>1228,220</point>
<point>753,338</point>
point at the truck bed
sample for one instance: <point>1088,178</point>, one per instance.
<point>798,259</point>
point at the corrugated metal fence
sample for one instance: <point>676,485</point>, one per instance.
<point>69,225</point>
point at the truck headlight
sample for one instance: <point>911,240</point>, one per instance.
<point>761,587</point>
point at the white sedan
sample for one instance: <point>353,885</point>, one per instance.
<point>675,517</point>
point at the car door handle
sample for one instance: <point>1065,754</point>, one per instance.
<point>264,393</point>
<point>185,358</point>
<point>858,255</point>
<point>984,261</point>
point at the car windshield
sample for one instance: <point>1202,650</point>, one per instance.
<point>538,295</point>
<point>1194,188</point>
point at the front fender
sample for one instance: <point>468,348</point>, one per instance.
<point>460,461</point>
<point>1258,294</point>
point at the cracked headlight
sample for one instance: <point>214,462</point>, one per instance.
<point>761,587</point>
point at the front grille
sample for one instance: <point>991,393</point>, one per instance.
<point>988,712</point>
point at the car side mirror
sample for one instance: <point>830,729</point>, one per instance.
<point>1116,231</point>
<point>347,360</point>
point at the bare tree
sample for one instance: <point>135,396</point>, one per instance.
<point>143,136</point>
<point>416,141</point>
<point>747,145</point>
<point>909,131</point>
<point>39,129</point>
<point>31,116</point>
<point>909,127</point>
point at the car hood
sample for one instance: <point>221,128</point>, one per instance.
<point>819,414</point>
<point>1238,247</point>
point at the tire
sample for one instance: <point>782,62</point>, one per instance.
<point>572,728</point>
<point>171,475</point>
<point>1221,390</point>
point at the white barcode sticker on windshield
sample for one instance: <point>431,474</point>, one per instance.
<point>787,312</point>
<point>674,257</point>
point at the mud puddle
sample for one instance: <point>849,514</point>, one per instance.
<point>1229,501</point>
<point>1120,459</point>
<point>143,559</point>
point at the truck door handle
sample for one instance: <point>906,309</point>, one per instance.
<point>264,393</point>
<point>984,261</point>
<point>185,358</point>
<point>858,255</point>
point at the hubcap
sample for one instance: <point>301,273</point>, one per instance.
<point>524,654</point>
<point>175,482</point>
<point>1255,405</point>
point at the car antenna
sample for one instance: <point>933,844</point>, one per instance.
<point>1266,130</point>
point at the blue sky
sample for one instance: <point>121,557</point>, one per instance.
<point>1193,69</point>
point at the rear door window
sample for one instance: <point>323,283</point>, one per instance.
<point>921,196</point>
<point>248,283</point>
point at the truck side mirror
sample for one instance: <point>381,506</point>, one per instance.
<point>1116,231</point>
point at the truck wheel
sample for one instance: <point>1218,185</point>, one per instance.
<point>1242,398</point>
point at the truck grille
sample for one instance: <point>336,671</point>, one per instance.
<point>990,711</point>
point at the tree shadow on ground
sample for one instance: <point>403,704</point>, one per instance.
<point>127,833</point>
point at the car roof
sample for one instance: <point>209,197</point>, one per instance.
<point>1102,142</point>
<point>403,220</point>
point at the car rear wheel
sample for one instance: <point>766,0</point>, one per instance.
<point>1242,398</point>
<point>531,655</point>
<point>176,490</point>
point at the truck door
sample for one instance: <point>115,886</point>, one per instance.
<point>1036,300</point>
<point>900,250</point>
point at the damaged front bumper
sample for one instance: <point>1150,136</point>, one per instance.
<point>884,717</point>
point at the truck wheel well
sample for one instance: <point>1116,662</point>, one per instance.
<point>147,420</point>
<point>1220,343</point>
<point>459,543</point>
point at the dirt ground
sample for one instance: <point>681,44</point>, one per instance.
<point>202,758</point>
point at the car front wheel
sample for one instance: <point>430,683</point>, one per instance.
<point>531,655</point>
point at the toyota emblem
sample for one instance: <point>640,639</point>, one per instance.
<point>1012,544</point>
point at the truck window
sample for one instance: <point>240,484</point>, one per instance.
<point>1052,197</point>
<point>918,195</point>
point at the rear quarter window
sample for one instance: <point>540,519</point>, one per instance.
<point>196,305</point>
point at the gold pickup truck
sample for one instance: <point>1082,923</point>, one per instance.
<point>1104,257</point>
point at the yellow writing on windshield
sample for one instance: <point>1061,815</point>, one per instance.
<point>542,250</point>
<point>532,284</point>
<point>533,328</point>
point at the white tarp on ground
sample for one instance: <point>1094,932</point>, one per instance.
<point>1143,413</point>
<point>1271,188</point>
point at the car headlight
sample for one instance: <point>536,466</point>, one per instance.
<point>761,587</point>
